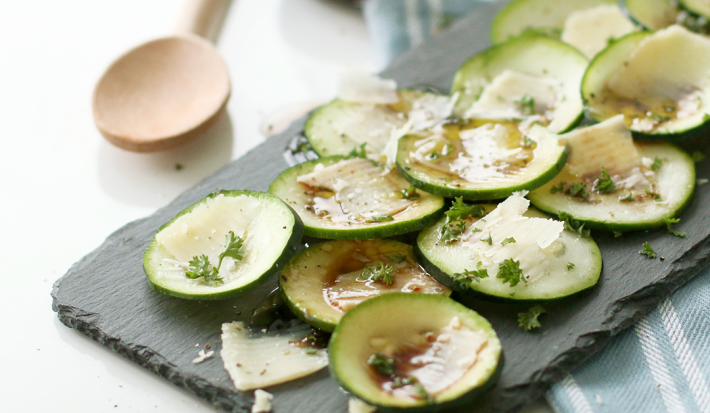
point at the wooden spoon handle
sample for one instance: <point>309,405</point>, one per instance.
<point>203,18</point>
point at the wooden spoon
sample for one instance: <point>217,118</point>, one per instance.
<point>167,91</point>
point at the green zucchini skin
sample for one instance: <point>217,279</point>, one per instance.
<point>651,14</point>
<point>286,187</point>
<point>339,348</point>
<point>421,181</point>
<point>293,244</point>
<point>436,267</point>
<point>547,202</point>
<point>532,54</point>
<point>594,81</point>
<point>327,138</point>
<point>302,281</point>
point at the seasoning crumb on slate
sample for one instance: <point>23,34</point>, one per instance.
<point>202,356</point>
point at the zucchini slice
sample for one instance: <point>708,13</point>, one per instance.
<point>653,14</point>
<point>699,7</point>
<point>482,160</point>
<point>354,198</point>
<point>645,183</point>
<point>423,353</point>
<point>340,127</point>
<point>657,80</point>
<point>542,16</point>
<point>512,253</point>
<point>528,77</point>
<point>327,279</point>
<point>269,233</point>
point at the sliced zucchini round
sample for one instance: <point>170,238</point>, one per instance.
<point>341,127</point>
<point>652,14</point>
<point>528,77</point>
<point>657,80</point>
<point>651,198</point>
<point>543,16</point>
<point>354,198</point>
<point>423,353</point>
<point>511,253</point>
<point>482,160</point>
<point>224,245</point>
<point>328,279</point>
<point>699,7</point>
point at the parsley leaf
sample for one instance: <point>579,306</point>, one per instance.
<point>397,257</point>
<point>202,268</point>
<point>657,164</point>
<point>529,319</point>
<point>604,184</point>
<point>471,275</point>
<point>234,248</point>
<point>452,231</point>
<point>657,116</point>
<point>556,189</point>
<point>570,266</point>
<point>461,210</point>
<point>579,190</point>
<point>628,198</point>
<point>527,105</point>
<point>382,364</point>
<point>617,234</point>
<point>528,143</point>
<point>656,197</point>
<point>489,240</point>
<point>507,241</point>
<point>379,272</point>
<point>509,271</point>
<point>361,153</point>
<point>648,251</point>
<point>669,224</point>
<point>574,225</point>
<point>410,193</point>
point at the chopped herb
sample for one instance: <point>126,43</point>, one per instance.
<point>452,231</point>
<point>657,117</point>
<point>460,210</point>
<point>433,156</point>
<point>382,364</point>
<point>529,320</point>
<point>476,229</point>
<point>570,266</point>
<point>489,240</point>
<point>201,267</point>
<point>579,190</point>
<point>697,156</point>
<point>403,381</point>
<point>556,189</point>
<point>574,225</point>
<point>507,241</point>
<point>656,197</point>
<point>446,150</point>
<point>234,248</point>
<point>422,393</point>
<point>604,184</point>
<point>527,105</point>
<point>311,351</point>
<point>509,271</point>
<point>657,164</point>
<point>669,224</point>
<point>628,198</point>
<point>398,257</point>
<point>379,272</point>
<point>409,193</point>
<point>358,153</point>
<point>471,275</point>
<point>647,250</point>
<point>379,218</point>
<point>527,142</point>
<point>617,234</point>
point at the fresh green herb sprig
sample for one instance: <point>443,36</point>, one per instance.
<point>200,267</point>
<point>530,319</point>
<point>579,190</point>
<point>358,153</point>
<point>648,251</point>
<point>559,188</point>
<point>398,257</point>
<point>464,278</point>
<point>628,198</point>
<point>574,225</point>
<point>604,185</point>
<point>451,231</point>
<point>570,266</point>
<point>379,218</point>
<point>657,164</point>
<point>656,197</point>
<point>379,272</point>
<point>669,224</point>
<point>527,105</point>
<point>509,271</point>
<point>409,193</point>
<point>455,219</point>
<point>507,241</point>
<point>382,364</point>
<point>386,367</point>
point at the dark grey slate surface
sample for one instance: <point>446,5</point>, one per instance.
<point>106,296</point>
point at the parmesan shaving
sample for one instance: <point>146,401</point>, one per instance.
<point>365,88</point>
<point>262,401</point>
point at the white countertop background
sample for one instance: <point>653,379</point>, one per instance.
<point>65,189</point>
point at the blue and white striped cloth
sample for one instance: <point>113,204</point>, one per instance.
<point>662,364</point>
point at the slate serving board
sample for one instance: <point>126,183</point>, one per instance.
<point>106,296</point>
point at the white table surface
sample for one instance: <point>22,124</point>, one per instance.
<point>65,189</point>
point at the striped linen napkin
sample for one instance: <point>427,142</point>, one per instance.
<point>662,364</point>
